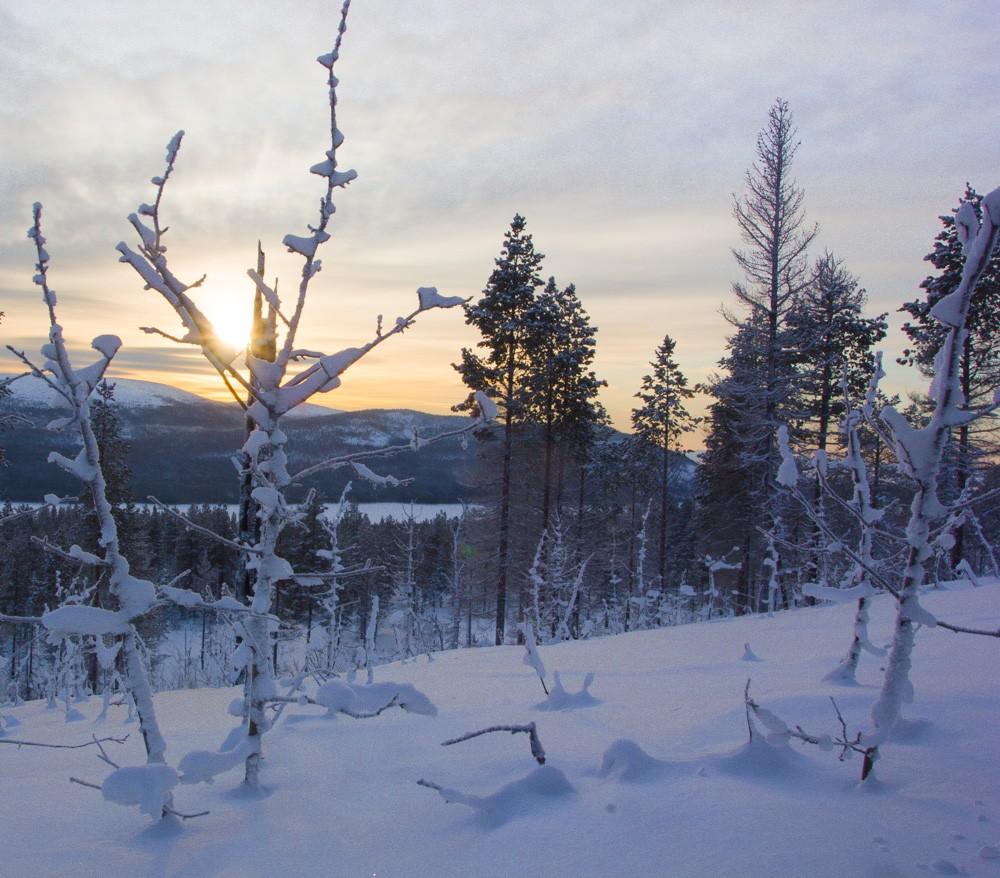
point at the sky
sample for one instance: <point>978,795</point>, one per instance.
<point>620,131</point>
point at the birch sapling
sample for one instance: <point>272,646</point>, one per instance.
<point>919,452</point>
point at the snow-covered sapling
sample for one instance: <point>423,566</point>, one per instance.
<point>271,385</point>
<point>919,451</point>
<point>561,699</point>
<point>74,386</point>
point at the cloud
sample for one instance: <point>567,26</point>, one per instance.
<point>620,131</point>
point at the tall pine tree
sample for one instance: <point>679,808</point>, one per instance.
<point>562,387</point>
<point>501,369</point>
<point>662,420</point>
<point>758,393</point>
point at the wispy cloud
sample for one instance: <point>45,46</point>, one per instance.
<point>619,130</point>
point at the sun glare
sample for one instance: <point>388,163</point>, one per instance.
<point>232,324</point>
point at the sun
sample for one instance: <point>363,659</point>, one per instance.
<point>232,323</point>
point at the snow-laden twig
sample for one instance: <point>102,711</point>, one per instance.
<point>204,531</point>
<point>354,714</point>
<point>387,451</point>
<point>75,555</point>
<point>20,620</point>
<point>537,751</point>
<point>37,372</point>
<point>777,729</point>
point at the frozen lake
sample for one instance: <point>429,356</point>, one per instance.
<point>375,511</point>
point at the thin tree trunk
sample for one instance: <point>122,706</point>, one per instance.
<point>664,504</point>
<point>964,455</point>
<point>503,548</point>
<point>248,528</point>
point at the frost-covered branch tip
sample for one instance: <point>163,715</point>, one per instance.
<point>150,263</point>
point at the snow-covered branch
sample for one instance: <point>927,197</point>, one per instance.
<point>387,451</point>
<point>75,555</point>
<point>94,741</point>
<point>537,751</point>
<point>135,597</point>
<point>204,531</point>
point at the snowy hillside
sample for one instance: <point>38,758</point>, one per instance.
<point>342,796</point>
<point>134,394</point>
<point>181,446</point>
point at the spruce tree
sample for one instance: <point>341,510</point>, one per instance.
<point>979,371</point>
<point>731,479</point>
<point>832,338</point>
<point>501,370</point>
<point>562,388</point>
<point>830,334</point>
<point>662,420</point>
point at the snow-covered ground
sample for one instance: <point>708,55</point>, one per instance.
<point>341,795</point>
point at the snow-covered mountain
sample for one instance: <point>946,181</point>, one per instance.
<point>133,393</point>
<point>181,445</point>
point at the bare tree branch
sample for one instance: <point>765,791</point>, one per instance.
<point>85,558</point>
<point>537,750</point>
<point>91,743</point>
<point>239,547</point>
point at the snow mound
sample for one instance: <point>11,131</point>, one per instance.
<point>522,798</point>
<point>201,766</point>
<point>560,699</point>
<point>760,760</point>
<point>340,697</point>
<point>630,763</point>
<point>147,786</point>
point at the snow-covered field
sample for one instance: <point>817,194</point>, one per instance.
<point>341,795</point>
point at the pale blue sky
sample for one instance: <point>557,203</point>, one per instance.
<point>619,131</point>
